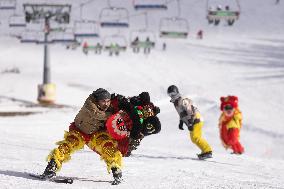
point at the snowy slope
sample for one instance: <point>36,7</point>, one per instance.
<point>246,60</point>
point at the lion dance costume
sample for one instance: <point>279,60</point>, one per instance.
<point>230,123</point>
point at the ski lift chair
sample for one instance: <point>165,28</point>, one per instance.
<point>73,45</point>
<point>86,29</point>
<point>114,17</point>
<point>142,39</point>
<point>115,44</point>
<point>7,4</point>
<point>30,36</point>
<point>174,28</point>
<point>62,37</point>
<point>17,21</point>
<point>149,5</point>
<point>216,15</point>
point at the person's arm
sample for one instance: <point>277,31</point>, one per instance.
<point>189,112</point>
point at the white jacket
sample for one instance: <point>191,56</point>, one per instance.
<point>185,109</point>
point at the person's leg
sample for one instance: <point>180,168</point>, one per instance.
<point>233,140</point>
<point>224,136</point>
<point>196,138</point>
<point>106,147</point>
<point>72,142</point>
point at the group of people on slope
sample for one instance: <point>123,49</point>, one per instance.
<point>113,125</point>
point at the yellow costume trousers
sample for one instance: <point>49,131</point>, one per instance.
<point>100,142</point>
<point>196,138</point>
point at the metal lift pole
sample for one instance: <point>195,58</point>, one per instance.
<point>46,63</point>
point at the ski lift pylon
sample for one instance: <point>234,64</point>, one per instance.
<point>116,17</point>
<point>174,27</point>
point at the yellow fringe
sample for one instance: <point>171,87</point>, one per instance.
<point>110,154</point>
<point>72,142</point>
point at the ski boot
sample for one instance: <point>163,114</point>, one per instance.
<point>205,155</point>
<point>117,175</point>
<point>50,170</point>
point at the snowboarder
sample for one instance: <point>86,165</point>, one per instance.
<point>190,115</point>
<point>230,123</point>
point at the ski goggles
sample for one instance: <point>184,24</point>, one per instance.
<point>173,94</point>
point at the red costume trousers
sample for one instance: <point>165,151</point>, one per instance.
<point>231,138</point>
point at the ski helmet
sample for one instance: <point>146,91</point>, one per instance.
<point>101,94</point>
<point>172,90</point>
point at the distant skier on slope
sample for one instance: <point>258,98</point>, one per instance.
<point>230,123</point>
<point>89,128</point>
<point>190,115</point>
<point>200,34</point>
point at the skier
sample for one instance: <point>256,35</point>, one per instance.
<point>230,123</point>
<point>190,115</point>
<point>88,128</point>
<point>200,34</point>
<point>164,46</point>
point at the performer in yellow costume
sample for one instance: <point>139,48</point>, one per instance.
<point>88,128</point>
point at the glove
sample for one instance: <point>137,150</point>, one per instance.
<point>190,127</point>
<point>144,97</point>
<point>180,126</point>
<point>190,124</point>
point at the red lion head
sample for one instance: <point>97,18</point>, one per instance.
<point>229,100</point>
